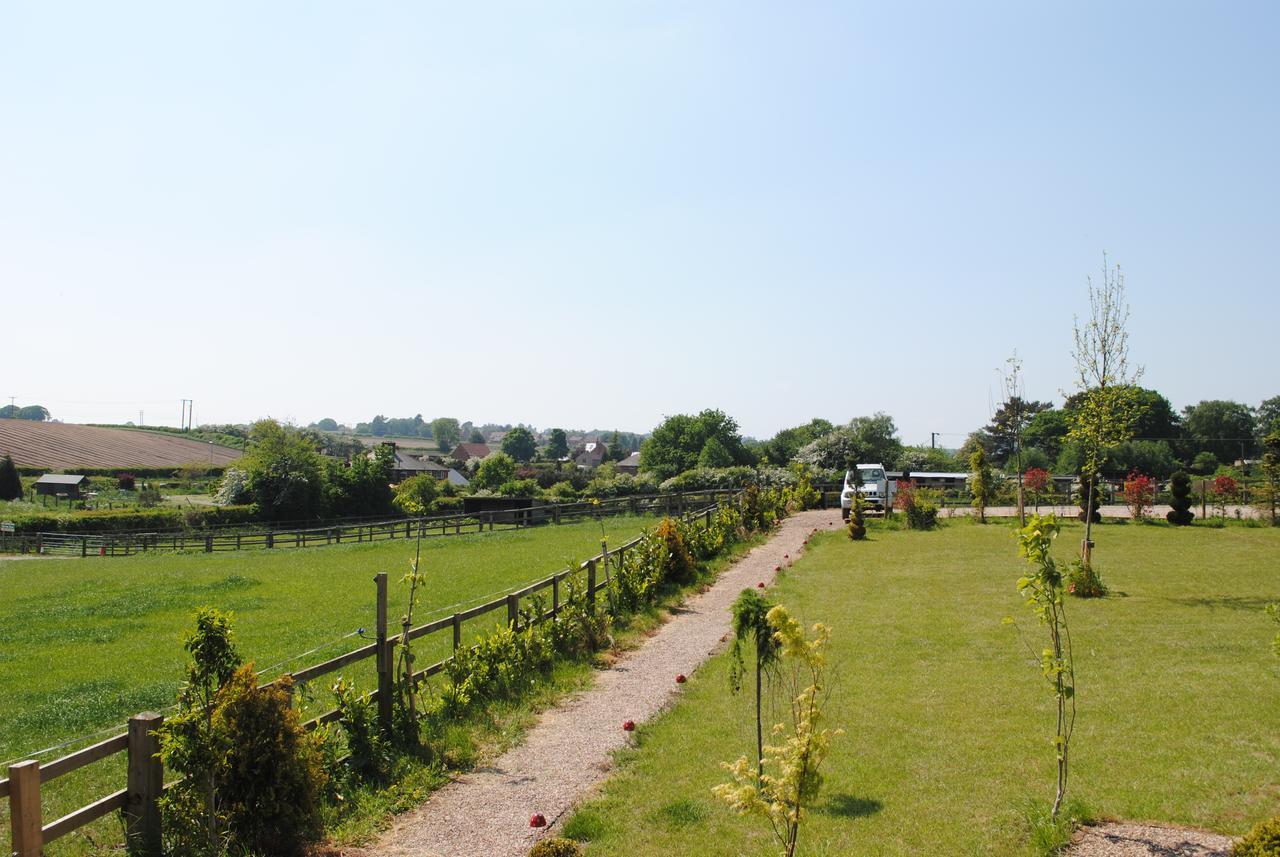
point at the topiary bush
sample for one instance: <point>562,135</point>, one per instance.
<point>857,526</point>
<point>1180,488</point>
<point>1083,499</point>
<point>556,847</point>
<point>1262,841</point>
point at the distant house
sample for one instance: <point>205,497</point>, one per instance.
<point>590,454</point>
<point>456,478</point>
<point>406,466</point>
<point>468,451</point>
<point>630,464</point>
<point>61,484</point>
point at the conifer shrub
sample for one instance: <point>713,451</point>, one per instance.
<point>556,847</point>
<point>1262,841</point>
<point>1180,512</point>
<point>857,527</point>
<point>677,563</point>
<point>10,482</point>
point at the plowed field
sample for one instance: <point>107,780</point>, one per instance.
<point>60,446</point>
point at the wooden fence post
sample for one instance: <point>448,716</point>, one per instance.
<point>208,543</point>
<point>457,631</point>
<point>146,782</point>
<point>383,659</point>
<point>271,539</point>
<point>555,594</point>
<point>24,809</point>
<point>591,582</point>
<point>513,611</point>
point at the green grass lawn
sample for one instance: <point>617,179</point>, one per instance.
<point>948,719</point>
<point>86,643</point>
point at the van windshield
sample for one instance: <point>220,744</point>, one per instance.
<point>864,476</point>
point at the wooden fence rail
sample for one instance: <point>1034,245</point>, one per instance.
<point>210,541</point>
<point>139,800</point>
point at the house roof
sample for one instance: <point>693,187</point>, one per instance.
<point>60,479</point>
<point>456,478</point>
<point>471,450</point>
<point>632,460</point>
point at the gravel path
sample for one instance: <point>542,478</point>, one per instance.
<point>486,812</point>
<point>1121,839</point>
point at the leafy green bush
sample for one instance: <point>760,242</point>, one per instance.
<point>251,775</point>
<point>1084,581</point>
<point>125,520</point>
<point>707,478</point>
<point>272,774</point>
<point>370,755</point>
<point>10,482</point>
<point>918,505</point>
<point>556,847</point>
<point>677,564</point>
<point>1262,841</point>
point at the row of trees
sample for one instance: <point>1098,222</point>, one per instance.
<point>39,413</point>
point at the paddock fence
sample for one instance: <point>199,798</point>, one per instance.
<point>342,532</point>
<point>139,799</point>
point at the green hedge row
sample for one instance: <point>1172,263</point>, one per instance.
<point>121,520</point>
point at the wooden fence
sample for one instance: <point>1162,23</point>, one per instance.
<point>127,544</point>
<point>139,800</point>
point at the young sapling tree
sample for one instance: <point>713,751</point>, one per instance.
<point>982,482</point>
<point>792,779</point>
<point>1043,591</point>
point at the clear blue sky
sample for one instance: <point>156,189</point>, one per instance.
<point>596,214</point>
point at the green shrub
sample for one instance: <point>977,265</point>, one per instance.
<point>677,564</point>
<point>556,847</point>
<point>272,774</point>
<point>857,527</point>
<point>370,756</point>
<point>10,482</point>
<point>1084,581</point>
<point>1262,841</point>
<point>918,505</point>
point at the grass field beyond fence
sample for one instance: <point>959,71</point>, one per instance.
<point>86,644</point>
<point>948,719</point>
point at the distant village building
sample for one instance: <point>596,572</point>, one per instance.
<point>467,451</point>
<point>61,484</point>
<point>630,464</point>
<point>590,455</point>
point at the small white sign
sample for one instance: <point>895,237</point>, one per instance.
<point>6,526</point>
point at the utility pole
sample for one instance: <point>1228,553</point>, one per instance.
<point>139,417</point>
<point>184,423</point>
<point>933,440</point>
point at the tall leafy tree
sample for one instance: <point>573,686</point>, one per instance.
<point>1047,431</point>
<point>782,447</point>
<point>10,481</point>
<point>1222,427</point>
<point>557,444</point>
<point>39,413</point>
<point>1268,418</point>
<point>519,444</point>
<point>678,441</point>
<point>446,432</point>
<point>1110,405</point>
<point>284,472</point>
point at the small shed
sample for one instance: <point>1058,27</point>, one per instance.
<point>67,484</point>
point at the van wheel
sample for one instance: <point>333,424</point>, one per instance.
<point>844,514</point>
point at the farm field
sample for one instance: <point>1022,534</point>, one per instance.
<point>62,446</point>
<point>84,644</point>
<point>946,714</point>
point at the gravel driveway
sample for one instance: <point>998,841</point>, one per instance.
<point>486,811</point>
